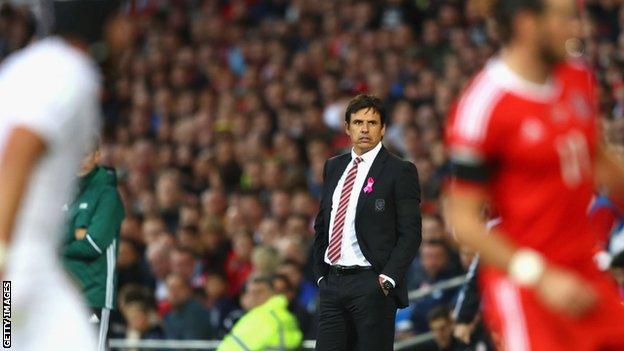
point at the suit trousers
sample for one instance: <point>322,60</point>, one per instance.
<point>355,314</point>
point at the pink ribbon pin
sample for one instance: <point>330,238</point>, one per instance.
<point>369,185</point>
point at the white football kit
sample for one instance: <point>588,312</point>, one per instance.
<point>52,89</point>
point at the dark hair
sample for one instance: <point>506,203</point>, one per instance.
<point>190,229</point>
<point>291,262</point>
<point>504,12</point>
<point>216,274</point>
<point>143,305</point>
<point>436,242</point>
<point>82,19</point>
<point>186,250</point>
<point>135,244</point>
<point>288,285</point>
<point>364,101</point>
<point>132,292</point>
<point>437,313</point>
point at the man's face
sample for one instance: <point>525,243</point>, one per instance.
<point>159,264</point>
<point>182,263</point>
<point>293,274</point>
<point>137,318</point>
<point>178,290</point>
<point>433,259</point>
<point>88,163</point>
<point>281,287</point>
<point>119,33</point>
<point>215,286</point>
<point>365,130</point>
<point>442,329</point>
<point>432,229</point>
<point>557,25</point>
<point>258,293</point>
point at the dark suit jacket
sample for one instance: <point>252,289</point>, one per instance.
<point>387,220</point>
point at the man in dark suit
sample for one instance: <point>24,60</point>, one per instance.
<point>367,233</point>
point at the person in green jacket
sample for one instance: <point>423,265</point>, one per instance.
<point>268,325</point>
<point>90,250</point>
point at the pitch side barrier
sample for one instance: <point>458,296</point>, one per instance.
<point>172,345</point>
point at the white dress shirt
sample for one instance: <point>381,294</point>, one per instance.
<point>351,254</point>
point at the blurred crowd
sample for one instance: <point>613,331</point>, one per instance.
<point>221,116</point>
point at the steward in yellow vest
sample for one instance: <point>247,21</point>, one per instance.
<point>267,326</point>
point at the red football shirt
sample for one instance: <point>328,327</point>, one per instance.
<point>537,144</point>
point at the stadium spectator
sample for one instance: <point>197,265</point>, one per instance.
<point>306,291</point>
<point>433,231</point>
<point>305,319</point>
<point>187,319</point>
<point>215,247</point>
<point>437,267</point>
<point>264,260</point>
<point>142,322</point>
<point>131,269</point>
<point>441,325</point>
<point>152,228</point>
<point>188,237</point>
<point>131,226</point>
<point>217,301</point>
<point>268,231</point>
<point>17,28</point>
<point>184,263</point>
<point>160,266</point>
<point>238,263</point>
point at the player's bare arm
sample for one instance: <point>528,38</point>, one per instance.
<point>560,290</point>
<point>22,151</point>
<point>464,208</point>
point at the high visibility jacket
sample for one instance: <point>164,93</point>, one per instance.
<point>269,326</point>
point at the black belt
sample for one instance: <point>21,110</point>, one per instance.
<point>345,270</point>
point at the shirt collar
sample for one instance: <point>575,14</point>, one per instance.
<point>368,156</point>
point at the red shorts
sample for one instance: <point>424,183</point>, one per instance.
<point>522,322</point>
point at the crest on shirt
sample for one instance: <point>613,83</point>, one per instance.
<point>83,206</point>
<point>380,205</point>
<point>532,130</point>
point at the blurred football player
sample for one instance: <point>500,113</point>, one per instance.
<point>523,137</point>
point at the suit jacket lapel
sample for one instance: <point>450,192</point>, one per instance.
<point>374,172</point>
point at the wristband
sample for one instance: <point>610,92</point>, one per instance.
<point>526,267</point>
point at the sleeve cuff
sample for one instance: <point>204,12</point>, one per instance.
<point>385,277</point>
<point>93,244</point>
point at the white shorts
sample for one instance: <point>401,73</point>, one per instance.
<point>48,313</point>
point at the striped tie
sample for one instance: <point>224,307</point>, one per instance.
<point>339,221</point>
